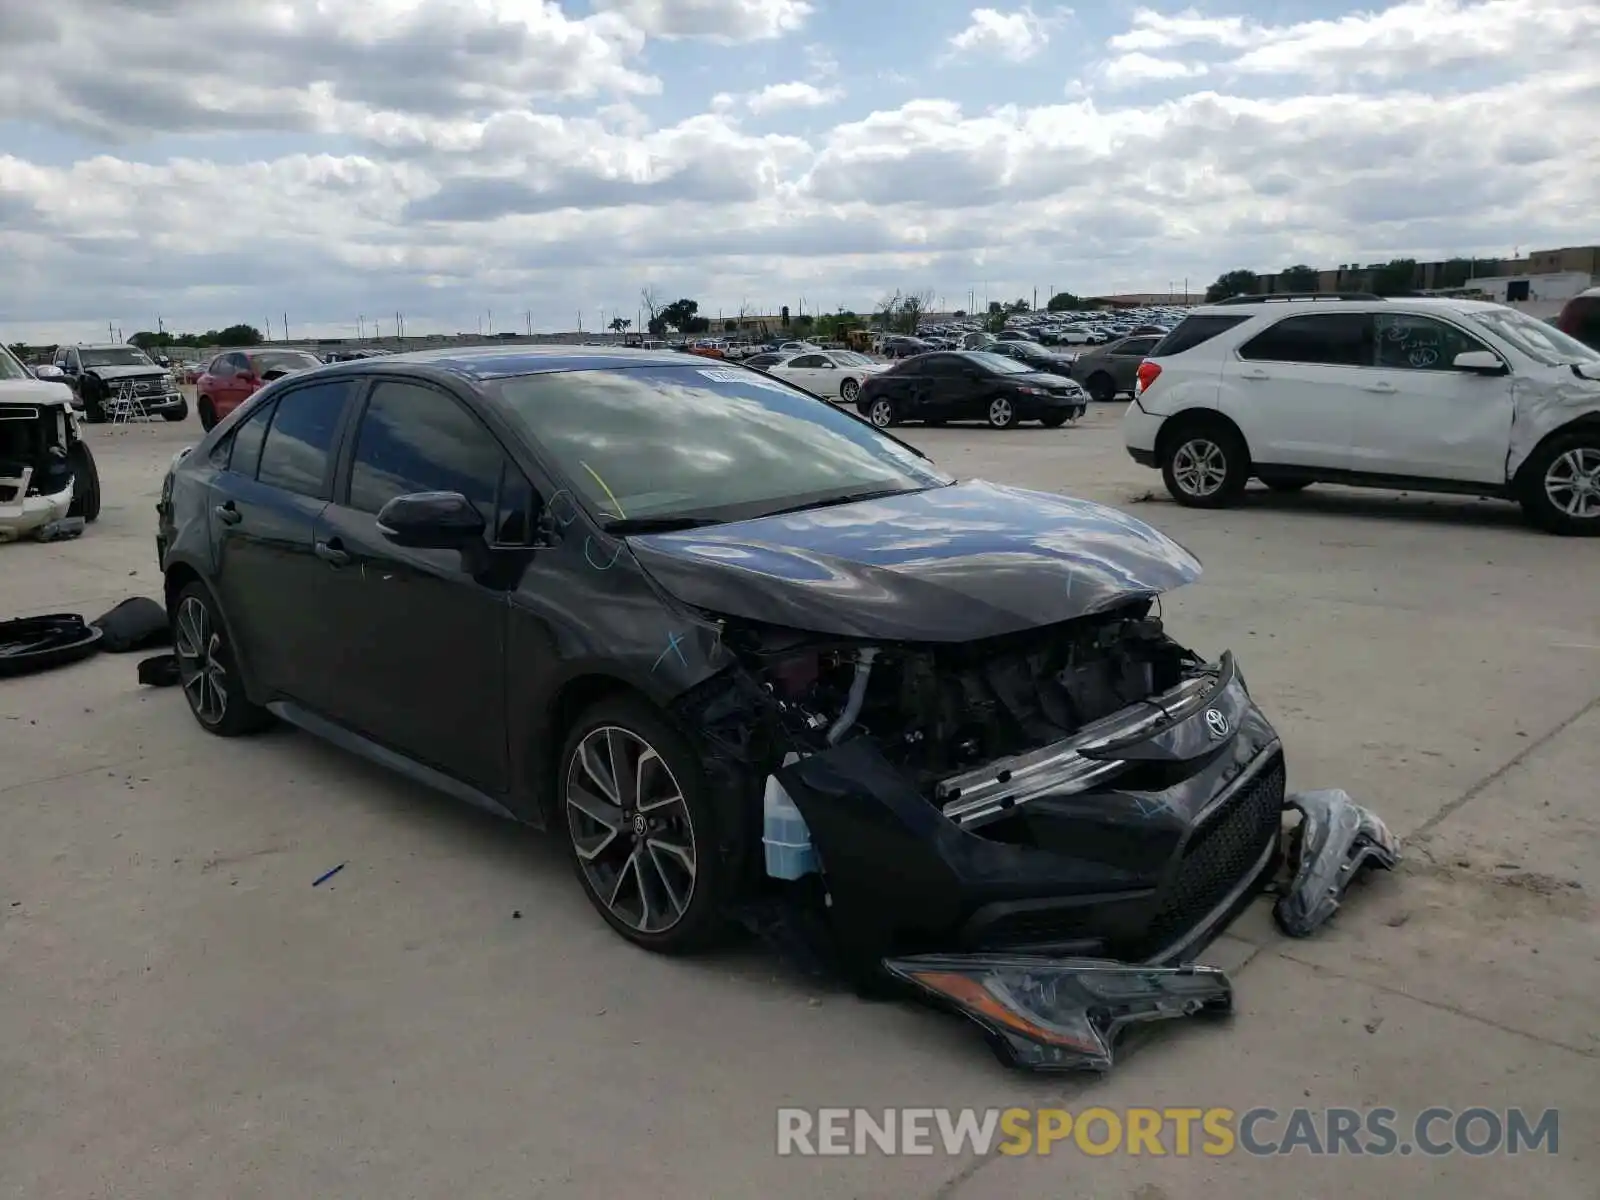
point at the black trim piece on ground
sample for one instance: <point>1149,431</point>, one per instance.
<point>32,644</point>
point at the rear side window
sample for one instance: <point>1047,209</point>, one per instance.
<point>299,441</point>
<point>1192,331</point>
<point>1325,339</point>
<point>244,450</point>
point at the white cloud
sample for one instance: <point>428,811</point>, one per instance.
<point>792,95</point>
<point>717,20</point>
<point>438,158</point>
<point>1013,36</point>
<point>1136,68</point>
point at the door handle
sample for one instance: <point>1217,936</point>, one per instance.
<point>228,514</point>
<point>1254,375</point>
<point>333,554</point>
<point>1384,389</point>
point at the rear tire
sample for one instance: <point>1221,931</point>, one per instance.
<point>881,412</point>
<point>849,390</point>
<point>208,669</point>
<point>1560,491</point>
<point>1101,388</point>
<point>85,483</point>
<point>645,837</point>
<point>1205,464</point>
<point>208,414</point>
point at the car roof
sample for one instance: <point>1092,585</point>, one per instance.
<point>479,363</point>
<point>106,346</point>
<point>1378,304</point>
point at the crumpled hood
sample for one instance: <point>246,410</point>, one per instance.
<point>35,391</point>
<point>952,564</point>
<point>126,372</point>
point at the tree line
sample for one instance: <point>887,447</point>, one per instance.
<point>1397,277</point>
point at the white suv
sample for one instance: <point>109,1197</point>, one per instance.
<point>1425,394</point>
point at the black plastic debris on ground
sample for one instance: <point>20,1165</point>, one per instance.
<point>31,644</point>
<point>160,670</point>
<point>136,624</point>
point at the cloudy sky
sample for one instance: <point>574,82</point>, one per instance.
<point>340,160</point>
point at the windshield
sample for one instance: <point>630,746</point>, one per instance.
<point>10,368</point>
<point>283,360</point>
<point>114,356</point>
<point>720,443</point>
<point>998,363</point>
<point>1540,342</point>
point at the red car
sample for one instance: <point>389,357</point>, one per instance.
<point>229,379</point>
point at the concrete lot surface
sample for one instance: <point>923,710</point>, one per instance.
<point>183,1015</point>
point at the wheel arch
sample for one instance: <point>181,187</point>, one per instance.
<point>179,575</point>
<point>1197,418</point>
<point>1588,423</point>
<point>567,704</point>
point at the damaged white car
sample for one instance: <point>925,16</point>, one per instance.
<point>49,484</point>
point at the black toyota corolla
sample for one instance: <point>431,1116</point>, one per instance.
<point>735,645</point>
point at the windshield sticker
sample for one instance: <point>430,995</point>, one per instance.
<point>747,378</point>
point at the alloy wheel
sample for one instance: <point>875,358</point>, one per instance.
<point>881,414</point>
<point>631,829</point>
<point>1000,413</point>
<point>1572,483</point>
<point>849,390</point>
<point>1200,468</point>
<point>200,669</point>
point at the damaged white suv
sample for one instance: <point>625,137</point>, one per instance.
<point>1425,394</point>
<point>49,484</point>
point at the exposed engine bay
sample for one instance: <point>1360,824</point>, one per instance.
<point>939,709</point>
<point>47,474</point>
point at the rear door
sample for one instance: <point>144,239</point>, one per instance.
<point>1291,388</point>
<point>423,639</point>
<point>264,510</point>
<point>1420,416</point>
<point>805,370</point>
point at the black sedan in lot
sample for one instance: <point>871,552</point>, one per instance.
<point>969,385</point>
<point>736,645</point>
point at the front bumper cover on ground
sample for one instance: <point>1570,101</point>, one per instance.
<point>1067,1014</point>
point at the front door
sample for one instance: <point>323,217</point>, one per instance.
<point>423,636</point>
<point>1421,417</point>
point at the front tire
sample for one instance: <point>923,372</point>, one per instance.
<point>208,414</point>
<point>644,835</point>
<point>1560,491</point>
<point>208,669</point>
<point>1205,465</point>
<point>85,483</point>
<point>1002,413</point>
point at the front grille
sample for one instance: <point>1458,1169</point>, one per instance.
<point>1218,856</point>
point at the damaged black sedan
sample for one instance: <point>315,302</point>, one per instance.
<point>743,651</point>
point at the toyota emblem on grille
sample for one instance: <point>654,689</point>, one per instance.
<point>1216,723</point>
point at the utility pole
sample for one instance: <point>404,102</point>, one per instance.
<point>530,322</point>
<point>286,327</point>
<point>110,336</point>
<point>1036,297</point>
<point>361,327</point>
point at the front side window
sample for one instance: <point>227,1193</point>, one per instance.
<point>704,443</point>
<point>299,441</point>
<point>415,438</point>
<point>1409,342</point>
<point>1323,339</point>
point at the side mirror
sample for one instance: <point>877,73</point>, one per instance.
<point>48,371</point>
<point>431,521</point>
<point>1479,362</point>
